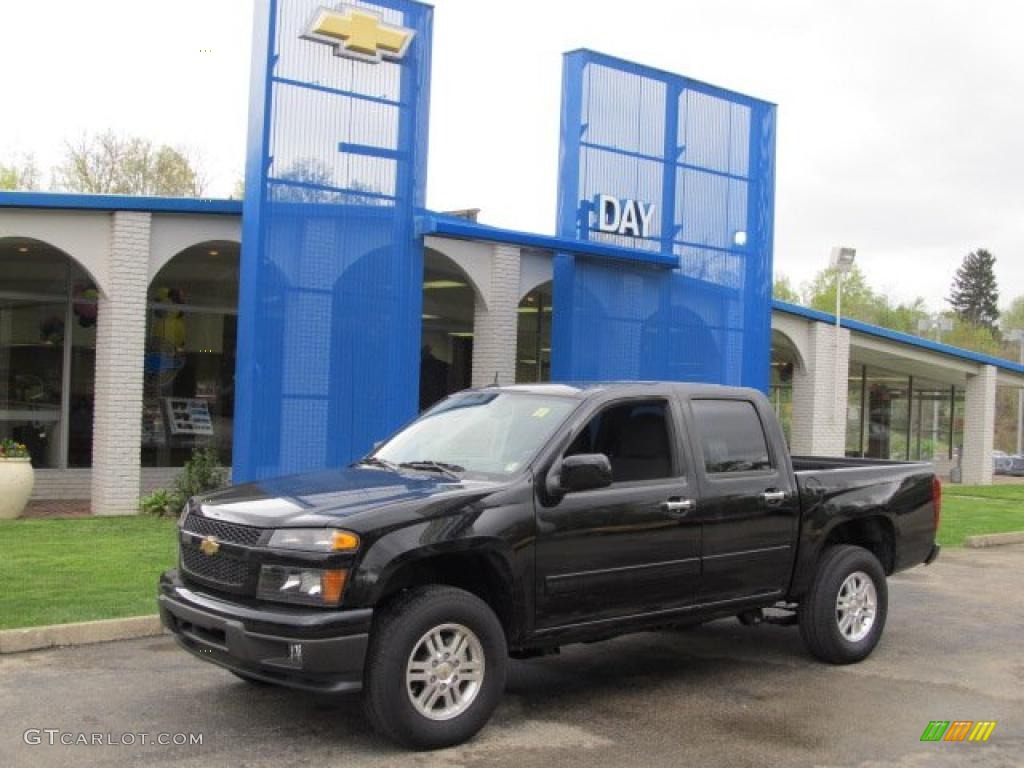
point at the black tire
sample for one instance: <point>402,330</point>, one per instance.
<point>819,617</point>
<point>396,634</point>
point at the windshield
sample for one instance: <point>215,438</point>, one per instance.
<point>494,433</point>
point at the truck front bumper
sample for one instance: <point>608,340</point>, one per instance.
<point>311,649</point>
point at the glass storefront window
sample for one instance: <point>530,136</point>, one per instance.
<point>446,346</point>
<point>930,420</point>
<point>856,422</point>
<point>48,313</point>
<point>533,340</point>
<point>189,379</point>
<point>780,381</point>
<point>896,416</point>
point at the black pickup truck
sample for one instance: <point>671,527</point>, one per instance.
<point>508,521</point>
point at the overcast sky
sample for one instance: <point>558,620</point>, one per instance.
<point>900,123</point>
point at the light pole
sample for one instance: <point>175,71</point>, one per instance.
<point>842,262</point>
<point>1018,335</point>
<point>940,324</point>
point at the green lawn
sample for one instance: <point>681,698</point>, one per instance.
<point>968,510</point>
<point>58,571</point>
<point>1004,492</point>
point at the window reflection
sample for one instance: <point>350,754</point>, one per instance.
<point>533,340</point>
<point>896,416</point>
<point>48,315</point>
<point>189,363</point>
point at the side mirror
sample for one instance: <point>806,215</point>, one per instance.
<point>585,472</point>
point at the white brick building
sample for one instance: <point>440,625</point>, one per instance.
<point>117,322</point>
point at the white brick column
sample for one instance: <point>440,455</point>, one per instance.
<point>120,346</point>
<point>819,394</point>
<point>979,427</point>
<point>495,325</point>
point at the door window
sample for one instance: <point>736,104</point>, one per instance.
<point>731,436</point>
<point>634,436</point>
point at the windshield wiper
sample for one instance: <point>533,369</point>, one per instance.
<point>375,462</point>
<point>436,466</point>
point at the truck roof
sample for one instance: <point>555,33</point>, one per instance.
<point>584,389</point>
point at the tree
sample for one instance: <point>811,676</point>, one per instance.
<point>783,290</point>
<point>22,176</point>
<point>1012,318</point>
<point>975,294</point>
<point>110,164</point>
<point>861,302</point>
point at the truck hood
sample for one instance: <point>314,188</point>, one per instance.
<point>326,497</point>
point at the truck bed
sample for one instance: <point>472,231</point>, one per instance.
<point>811,463</point>
<point>896,495</point>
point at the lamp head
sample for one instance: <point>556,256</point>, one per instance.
<point>842,259</point>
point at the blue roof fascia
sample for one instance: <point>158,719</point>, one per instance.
<point>463,229</point>
<point>81,202</point>
<point>897,336</point>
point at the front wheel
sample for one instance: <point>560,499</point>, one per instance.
<point>435,669</point>
<point>842,617</point>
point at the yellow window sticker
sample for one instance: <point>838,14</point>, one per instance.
<point>540,413</point>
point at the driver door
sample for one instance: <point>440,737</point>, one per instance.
<point>629,548</point>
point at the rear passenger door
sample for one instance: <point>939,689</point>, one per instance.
<point>748,506</point>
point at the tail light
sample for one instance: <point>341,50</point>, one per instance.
<point>937,500</point>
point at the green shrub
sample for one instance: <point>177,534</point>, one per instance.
<point>160,503</point>
<point>9,449</point>
<point>201,474</point>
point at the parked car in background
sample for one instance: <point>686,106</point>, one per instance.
<point>1001,462</point>
<point>1015,466</point>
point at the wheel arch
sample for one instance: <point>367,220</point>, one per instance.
<point>875,533</point>
<point>480,566</point>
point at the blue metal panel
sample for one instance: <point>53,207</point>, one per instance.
<point>85,202</point>
<point>704,157</point>
<point>332,268</point>
<point>463,229</point>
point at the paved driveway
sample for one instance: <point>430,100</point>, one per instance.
<point>719,695</point>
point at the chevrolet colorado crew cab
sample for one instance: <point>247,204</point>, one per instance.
<point>509,521</point>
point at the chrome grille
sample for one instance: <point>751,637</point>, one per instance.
<point>230,532</point>
<point>221,568</point>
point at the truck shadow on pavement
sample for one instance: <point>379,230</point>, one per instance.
<point>619,678</point>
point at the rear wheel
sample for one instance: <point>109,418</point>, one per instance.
<point>435,669</point>
<point>843,615</point>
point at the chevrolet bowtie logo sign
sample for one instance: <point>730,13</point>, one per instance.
<point>359,34</point>
<point>209,546</point>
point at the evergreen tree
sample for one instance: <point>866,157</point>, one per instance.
<point>975,295</point>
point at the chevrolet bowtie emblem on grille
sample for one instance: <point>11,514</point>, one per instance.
<point>209,546</point>
<point>359,34</point>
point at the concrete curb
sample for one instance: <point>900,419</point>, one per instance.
<point>83,633</point>
<point>994,539</point>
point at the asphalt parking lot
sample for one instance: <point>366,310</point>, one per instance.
<point>718,695</point>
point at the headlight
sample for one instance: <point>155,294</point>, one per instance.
<point>314,540</point>
<point>309,586</point>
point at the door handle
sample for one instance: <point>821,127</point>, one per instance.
<point>773,498</point>
<point>678,507</point>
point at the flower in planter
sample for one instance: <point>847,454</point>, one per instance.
<point>9,449</point>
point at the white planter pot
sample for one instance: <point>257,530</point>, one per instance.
<point>16,481</point>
